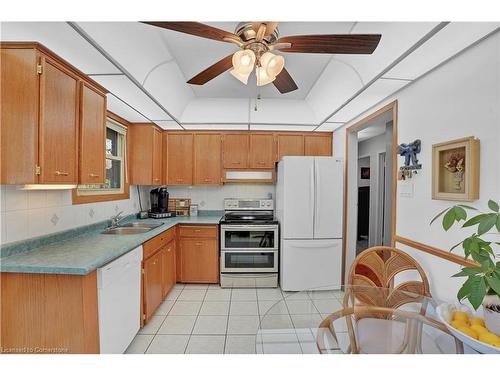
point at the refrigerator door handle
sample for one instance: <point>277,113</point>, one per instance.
<point>312,198</point>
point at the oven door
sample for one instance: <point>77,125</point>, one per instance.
<point>249,261</point>
<point>250,237</point>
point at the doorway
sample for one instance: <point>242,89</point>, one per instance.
<point>370,183</point>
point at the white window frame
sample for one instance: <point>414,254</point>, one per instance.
<point>89,190</point>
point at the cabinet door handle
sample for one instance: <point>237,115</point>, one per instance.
<point>197,230</point>
<point>169,249</point>
<point>262,162</point>
<point>59,173</point>
<point>93,175</point>
<point>180,179</point>
<point>198,243</point>
<point>156,179</point>
<point>208,179</point>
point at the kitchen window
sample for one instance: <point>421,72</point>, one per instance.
<point>115,186</point>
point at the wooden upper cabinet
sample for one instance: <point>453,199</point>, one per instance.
<point>178,168</point>
<point>207,159</point>
<point>157,156</point>
<point>58,132</point>
<point>289,145</point>
<point>318,145</point>
<point>235,148</point>
<point>18,116</point>
<point>262,151</point>
<point>43,111</point>
<point>145,154</point>
<point>92,135</point>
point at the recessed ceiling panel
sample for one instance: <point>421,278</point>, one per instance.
<point>281,111</point>
<point>123,88</point>
<point>397,38</point>
<point>452,39</point>
<point>214,110</point>
<point>121,109</point>
<point>368,98</point>
<point>61,39</point>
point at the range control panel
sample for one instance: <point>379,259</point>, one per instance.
<point>248,204</point>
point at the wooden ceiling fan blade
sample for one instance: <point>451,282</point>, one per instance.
<point>212,71</point>
<point>197,29</point>
<point>334,43</point>
<point>284,82</point>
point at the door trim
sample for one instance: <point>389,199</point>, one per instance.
<point>349,133</point>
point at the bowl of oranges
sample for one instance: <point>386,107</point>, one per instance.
<point>468,328</point>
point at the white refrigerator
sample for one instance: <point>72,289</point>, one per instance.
<point>309,204</point>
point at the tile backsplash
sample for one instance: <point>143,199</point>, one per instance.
<point>31,213</point>
<point>212,197</point>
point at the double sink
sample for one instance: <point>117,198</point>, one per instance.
<point>132,228</point>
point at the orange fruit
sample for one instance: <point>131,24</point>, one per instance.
<point>477,321</point>
<point>489,338</point>
<point>460,315</point>
<point>469,332</point>
<point>458,323</point>
<point>478,329</point>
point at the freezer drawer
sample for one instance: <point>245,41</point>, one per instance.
<point>311,264</point>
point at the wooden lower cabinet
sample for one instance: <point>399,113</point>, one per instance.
<point>152,284</point>
<point>168,270</point>
<point>198,254</point>
<point>44,313</point>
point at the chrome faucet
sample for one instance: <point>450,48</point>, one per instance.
<point>116,219</point>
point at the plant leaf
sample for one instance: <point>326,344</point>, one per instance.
<point>460,213</point>
<point>498,226</point>
<point>494,283</point>
<point>455,246</point>
<point>478,291</point>
<point>438,215</point>
<point>449,219</point>
<point>474,220</point>
<point>463,292</point>
<point>468,271</point>
<point>493,205</point>
<point>468,207</point>
<point>486,224</point>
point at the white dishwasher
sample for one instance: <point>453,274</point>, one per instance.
<point>119,301</point>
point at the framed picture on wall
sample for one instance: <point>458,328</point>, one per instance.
<point>365,173</point>
<point>455,170</point>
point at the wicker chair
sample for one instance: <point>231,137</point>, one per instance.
<point>373,283</point>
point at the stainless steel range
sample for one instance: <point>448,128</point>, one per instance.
<point>249,244</point>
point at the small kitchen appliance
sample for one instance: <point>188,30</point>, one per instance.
<point>159,203</point>
<point>249,244</point>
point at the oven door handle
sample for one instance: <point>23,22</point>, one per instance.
<point>249,227</point>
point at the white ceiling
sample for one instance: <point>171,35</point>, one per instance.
<point>375,126</point>
<point>157,63</point>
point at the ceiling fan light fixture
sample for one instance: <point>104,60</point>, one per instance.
<point>272,63</point>
<point>243,61</point>
<point>262,77</point>
<point>242,77</point>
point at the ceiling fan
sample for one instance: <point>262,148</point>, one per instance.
<point>257,40</point>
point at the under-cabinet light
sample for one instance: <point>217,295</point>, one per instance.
<point>45,187</point>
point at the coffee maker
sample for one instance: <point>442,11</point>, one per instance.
<point>159,203</point>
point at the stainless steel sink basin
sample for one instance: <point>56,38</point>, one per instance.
<point>137,224</point>
<point>132,228</point>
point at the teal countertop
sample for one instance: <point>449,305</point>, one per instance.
<point>89,250</point>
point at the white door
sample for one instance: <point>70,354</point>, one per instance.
<point>298,197</point>
<point>311,264</point>
<point>328,205</point>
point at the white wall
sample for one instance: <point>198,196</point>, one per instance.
<point>212,197</point>
<point>460,98</point>
<point>26,214</point>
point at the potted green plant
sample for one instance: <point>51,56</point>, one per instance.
<point>483,281</point>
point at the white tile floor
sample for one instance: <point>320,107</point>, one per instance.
<point>200,318</point>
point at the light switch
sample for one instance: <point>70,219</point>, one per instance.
<point>406,189</point>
